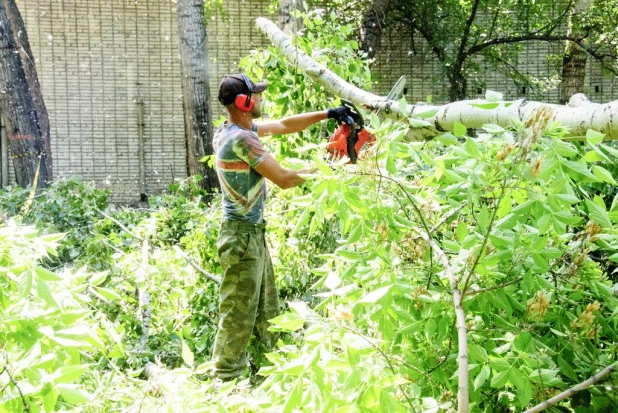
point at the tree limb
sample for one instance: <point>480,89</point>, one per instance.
<point>461,55</point>
<point>570,392</point>
<point>463,398</point>
<point>206,274</point>
<point>23,398</point>
<point>495,287</point>
<point>441,118</point>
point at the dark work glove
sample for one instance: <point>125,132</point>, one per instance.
<point>340,114</point>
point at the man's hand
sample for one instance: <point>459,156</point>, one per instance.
<point>340,114</point>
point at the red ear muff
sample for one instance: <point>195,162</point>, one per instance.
<point>244,102</point>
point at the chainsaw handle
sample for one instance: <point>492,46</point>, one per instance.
<point>357,119</point>
<point>350,121</point>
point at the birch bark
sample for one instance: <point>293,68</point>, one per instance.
<point>578,115</point>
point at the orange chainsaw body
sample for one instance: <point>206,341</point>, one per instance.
<point>338,143</point>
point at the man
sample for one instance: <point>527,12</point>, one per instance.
<point>248,295</point>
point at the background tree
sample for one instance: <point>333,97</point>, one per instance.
<point>461,35</point>
<point>372,26</point>
<point>574,59</point>
<point>22,101</point>
<point>196,93</point>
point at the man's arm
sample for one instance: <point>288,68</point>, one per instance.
<point>284,178</point>
<point>291,124</point>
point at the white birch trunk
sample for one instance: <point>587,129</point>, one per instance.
<point>579,115</point>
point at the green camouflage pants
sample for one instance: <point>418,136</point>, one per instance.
<point>247,297</point>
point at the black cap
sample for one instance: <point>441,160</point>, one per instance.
<point>234,85</point>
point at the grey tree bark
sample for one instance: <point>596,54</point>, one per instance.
<point>574,60</point>
<point>196,94</point>
<point>286,21</point>
<point>372,26</point>
<point>21,101</point>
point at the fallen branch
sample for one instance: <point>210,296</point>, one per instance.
<point>144,297</point>
<point>578,116</point>
<point>570,392</point>
<point>120,224</point>
<point>205,273</point>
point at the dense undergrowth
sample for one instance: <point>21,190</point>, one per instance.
<point>119,314</point>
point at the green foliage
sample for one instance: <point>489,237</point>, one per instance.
<point>470,38</point>
<point>49,337</point>
<point>526,219</point>
<point>511,211</point>
<point>289,91</point>
<point>68,206</point>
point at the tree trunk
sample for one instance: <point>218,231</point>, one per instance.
<point>372,26</point>
<point>574,60</point>
<point>288,23</point>
<point>579,115</point>
<point>458,84</point>
<point>20,91</point>
<point>27,60</point>
<point>196,94</point>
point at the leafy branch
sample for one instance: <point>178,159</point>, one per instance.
<point>570,392</point>
<point>12,380</point>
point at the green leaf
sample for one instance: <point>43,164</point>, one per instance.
<point>477,353</point>
<point>427,114</point>
<point>109,294</point>
<point>288,322</point>
<point>325,169</point>
<point>349,408</point>
<point>295,397</point>
<point>375,295</point>
<point>462,231</point>
<point>524,393</point>
<point>593,137</point>
<point>353,355</point>
<point>68,374</point>
<point>459,130</point>
<point>493,129</point>
<point>603,174</point>
<point>516,377</point>
<point>580,169</point>
<point>500,379</point>
<point>391,167</point>
<point>46,275</point>
<point>98,278</point>
<point>594,156</point>
<point>472,148</point>
<point>447,139</point>
<point>598,214</point>
<point>354,201</point>
<point>49,400</point>
<point>187,354</point>
<point>72,394</point>
<point>45,294</point>
<point>483,375</point>
<point>486,105</point>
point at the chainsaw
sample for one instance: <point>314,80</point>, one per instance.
<point>351,137</point>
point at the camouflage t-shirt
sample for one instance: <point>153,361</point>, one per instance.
<point>238,151</point>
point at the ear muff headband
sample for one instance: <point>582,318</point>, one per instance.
<point>242,101</point>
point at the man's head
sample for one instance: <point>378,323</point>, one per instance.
<point>239,93</point>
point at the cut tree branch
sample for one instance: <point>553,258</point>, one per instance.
<point>600,117</point>
<point>570,392</point>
